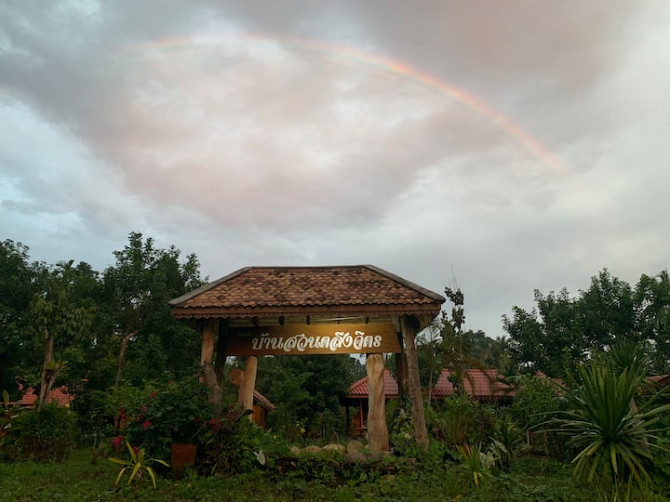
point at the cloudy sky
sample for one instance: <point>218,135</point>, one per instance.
<point>509,145</point>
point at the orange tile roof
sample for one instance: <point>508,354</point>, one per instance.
<point>258,291</point>
<point>360,388</point>
<point>477,383</point>
<point>483,381</point>
<point>59,395</point>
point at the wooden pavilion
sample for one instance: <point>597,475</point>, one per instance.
<point>314,310</point>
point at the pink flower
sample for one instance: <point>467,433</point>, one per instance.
<point>146,424</point>
<point>153,395</point>
<point>116,442</point>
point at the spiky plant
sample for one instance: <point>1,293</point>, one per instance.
<point>614,439</point>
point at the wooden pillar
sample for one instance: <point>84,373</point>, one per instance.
<point>413,382</point>
<point>401,372</point>
<point>220,360</point>
<point>378,436</point>
<point>245,394</point>
<point>208,376</point>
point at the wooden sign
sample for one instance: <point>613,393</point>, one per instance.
<point>313,339</point>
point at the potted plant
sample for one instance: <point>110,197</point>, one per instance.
<point>178,410</point>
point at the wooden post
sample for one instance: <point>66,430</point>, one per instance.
<point>209,330</point>
<point>413,383</point>
<point>378,436</point>
<point>220,360</point>
<point>245,394</point>
<point>401,372</point>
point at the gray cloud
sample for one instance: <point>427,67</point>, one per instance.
<point>416,136</point>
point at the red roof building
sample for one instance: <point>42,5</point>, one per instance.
<point>478,384</point>
<point>59,396</point>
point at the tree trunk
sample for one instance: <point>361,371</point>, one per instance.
<point>47,372</point>
<point>122,356</point>
<point>414,384</point>
<point>378,435</point>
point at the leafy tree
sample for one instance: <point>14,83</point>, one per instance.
<point>17,287</point>
<point>651,299</point>
<point>137,289</point>
<point>445,344</point>
<point>307,391</point>
<point>60,321</point>
<point>561,331</point>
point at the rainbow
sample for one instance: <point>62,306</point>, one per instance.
<point>355,55</point>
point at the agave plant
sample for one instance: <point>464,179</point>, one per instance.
<point>476,461</point>
<point>137,466</point>
<point>614,439</point>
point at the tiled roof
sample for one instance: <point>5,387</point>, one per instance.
<point>476,383</point>
<point>58,395</point>
<point>484,383</point>
<point>257,291</point>
<point>361,388</point>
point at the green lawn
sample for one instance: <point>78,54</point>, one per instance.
<point>80,479</point>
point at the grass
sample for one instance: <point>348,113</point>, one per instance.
<point>80,479</point>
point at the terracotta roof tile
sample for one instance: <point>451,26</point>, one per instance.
<point>59,395</point>
<point>361,388</point>
<point>313,287</point>
<point>476,383</point>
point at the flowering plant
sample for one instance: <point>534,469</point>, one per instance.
<point>172,412</point>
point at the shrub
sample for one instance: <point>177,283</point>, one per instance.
<point>614,437</point>
<point>162,413</point>
<point>47,435</point>
<point>536,401</point>
<point>463,420</point>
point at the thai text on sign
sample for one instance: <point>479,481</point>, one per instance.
<point>317,339</point>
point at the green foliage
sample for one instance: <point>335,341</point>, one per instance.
<point>137,467</point>
<point>161,413</point>
<point>17,287</point>
<point>307,391</point>
<point>46,435</point>
<point>137,290</point>
<point>563,331</point>
<point>531,479</point>
<point>475,461</point>
<point>506,441</point>
<point>461,420</point>
<point>230,443</point>
<point>536,400</point>
<point>614,439</point>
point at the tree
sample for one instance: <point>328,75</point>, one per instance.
<point>137,289</point>
<point>17,287</point>
<point>60,321</point>
<point>307,390</point>
<point>562,331</point>
<point>651,300</point>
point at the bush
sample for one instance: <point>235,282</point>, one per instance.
<point>463,420</point>
<point>47,435</point>
<point>160,414</point>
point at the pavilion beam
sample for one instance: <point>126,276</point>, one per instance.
<point>408,325</point>
<point>378,436</point>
